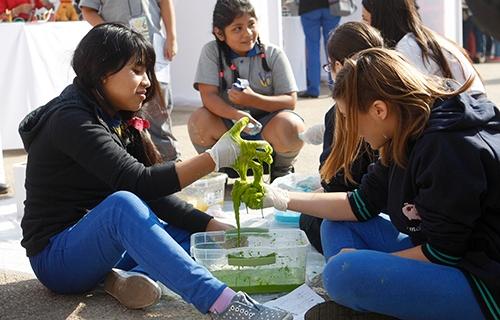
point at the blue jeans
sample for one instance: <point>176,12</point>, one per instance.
<point>370,279</point>
<point>496,46</point>
<point>123,232</point>
<point>314,23</point>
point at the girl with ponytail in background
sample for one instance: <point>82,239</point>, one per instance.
<point>268,99</point>
<point>402,28</point>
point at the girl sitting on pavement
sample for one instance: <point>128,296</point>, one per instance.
<point>348,39</point>
<point>268,98</point>
<point>437,178</point>
<point>99,198</point>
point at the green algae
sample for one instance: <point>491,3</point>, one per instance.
<point>254,280</point>
<point>252,156</point>
<point>242,261</point>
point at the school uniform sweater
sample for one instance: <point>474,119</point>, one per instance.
<point>75,160</point>
<point>447,199</point>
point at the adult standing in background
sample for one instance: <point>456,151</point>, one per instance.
<point>147,21</point>
<point>316,19</point>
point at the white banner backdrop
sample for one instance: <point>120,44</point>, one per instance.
<point>34,68</point>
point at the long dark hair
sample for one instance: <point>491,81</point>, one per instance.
<point>225,11</point>
<point>396,18</point>
<point>104,51</point>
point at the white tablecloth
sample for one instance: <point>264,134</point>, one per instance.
<point>34,68</point>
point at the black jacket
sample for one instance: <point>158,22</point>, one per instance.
<point>75,161</point>
<point>447,199</point>
<point>310,5</point>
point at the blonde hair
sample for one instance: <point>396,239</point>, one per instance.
<point>382,74</point>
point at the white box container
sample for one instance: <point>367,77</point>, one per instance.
<point>266,261</point>
<point>205,192</point>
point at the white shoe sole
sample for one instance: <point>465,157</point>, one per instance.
<point>133,290</point>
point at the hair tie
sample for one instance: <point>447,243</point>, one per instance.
<point>232,67</point>
<point>221,74</point>
<point>138,123</point>
<point>263,55</point>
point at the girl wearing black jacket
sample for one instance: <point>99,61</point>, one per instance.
<point>347,40</point>
<point>438,178</point>
<point>98,196</point>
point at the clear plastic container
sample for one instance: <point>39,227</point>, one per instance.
<point>205,192</point>
<point>266,261</point>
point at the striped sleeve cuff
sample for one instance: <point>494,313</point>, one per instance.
<point>488,297</point>
<point>436,256</point>
<point>359,206</point>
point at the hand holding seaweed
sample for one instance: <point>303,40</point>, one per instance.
<point>227,150</point>
<point>252,155</point>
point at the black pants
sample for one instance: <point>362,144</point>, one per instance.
<point>312,227</point>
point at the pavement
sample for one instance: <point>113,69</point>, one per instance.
<point>23,297</point>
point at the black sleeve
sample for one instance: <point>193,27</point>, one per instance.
<point>180,214</point>
<point>451,180</point>
<point>76,133</point>
<point>370,198</point>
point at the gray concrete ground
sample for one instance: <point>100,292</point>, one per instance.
<point>23,297</point>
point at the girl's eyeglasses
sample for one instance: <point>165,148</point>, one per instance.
<point>327,67</point>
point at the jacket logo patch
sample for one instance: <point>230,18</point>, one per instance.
<point>411,212</point>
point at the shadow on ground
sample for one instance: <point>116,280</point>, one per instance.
<point>23,297</point>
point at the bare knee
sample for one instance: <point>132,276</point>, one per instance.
<point>204,127</point>
<point>282,132</point>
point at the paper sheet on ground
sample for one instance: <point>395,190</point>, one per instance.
<point>297,302</point>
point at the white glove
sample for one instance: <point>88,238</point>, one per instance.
<point>275,197</point>
<point>313,135</point>
<point>225,151</point>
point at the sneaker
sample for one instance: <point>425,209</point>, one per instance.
<point>243,307</point>
<point>494,59</point>
<point>480,58</point>
<point>305,94</point>
<point>3,188</point>
<point>134,290</point>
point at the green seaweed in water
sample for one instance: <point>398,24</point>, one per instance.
<point>252,155</point>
